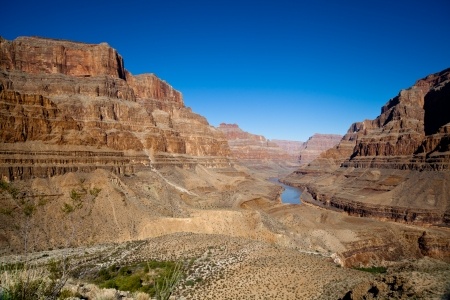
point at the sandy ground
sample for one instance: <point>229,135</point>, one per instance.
<point>224,267</point>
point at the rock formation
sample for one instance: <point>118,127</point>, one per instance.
<point>251,147</point>
<point>317,144</point>
<point>87,146</point>
<point>68,106</point>
<point>395,167</point>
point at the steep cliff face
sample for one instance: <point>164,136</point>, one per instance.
<point>79,101</point>
<point>36,55</point>
<point>252,147</point>
<point>394,167</point>
<point>410,126</point>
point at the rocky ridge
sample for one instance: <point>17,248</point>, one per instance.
<point>395,167</point>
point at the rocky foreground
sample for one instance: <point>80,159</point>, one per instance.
<point>110,167</point>
<point>223,267</point>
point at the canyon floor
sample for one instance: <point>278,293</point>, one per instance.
<point>242,242</point>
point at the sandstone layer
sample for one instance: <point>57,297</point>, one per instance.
<point>395,167</point>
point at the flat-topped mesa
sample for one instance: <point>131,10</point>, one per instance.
<point>64,67</point>
<point>56,93</point>
<point>35,55</point>
<point>395,167</point>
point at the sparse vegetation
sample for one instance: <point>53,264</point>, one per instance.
<point>156,278</point>
<point>75,196</point>
<point>373,270</point>
<point>24,281</point>
<point>67,208</point>
<point>9,188</point>
<point>95,191</point>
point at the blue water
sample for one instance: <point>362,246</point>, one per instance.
<point>290,194</point>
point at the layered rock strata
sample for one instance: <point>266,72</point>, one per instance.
<point>317,144</point>
<point>78,102</point>
<point>291,147</point>
<point>251,147</point>
<point>395,167</point>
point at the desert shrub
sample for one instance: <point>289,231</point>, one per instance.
<point>74,195</point>
<point>24,282</point>
<point>9,188</point>
<point>67,208</point>
<point>155,278</point>
<point>4,185</point>
<point>95,191</point>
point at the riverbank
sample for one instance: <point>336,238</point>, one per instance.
<point>290,194</point>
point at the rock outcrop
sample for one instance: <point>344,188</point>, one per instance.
<point>317,144</point>
<point>396,167</point>
<point>68,106</point>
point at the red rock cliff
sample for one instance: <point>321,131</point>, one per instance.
<point>394,167</point>
<point>60,95</point>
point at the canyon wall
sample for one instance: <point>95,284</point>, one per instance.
<point>291,147</point>
<point>246,146</point>
<point>317,144</point>
<point>68,106</point>
<point>396,167</point>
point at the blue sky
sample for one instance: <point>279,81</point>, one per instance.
<point>283,69</point>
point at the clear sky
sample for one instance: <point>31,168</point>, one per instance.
<point>283,69</point>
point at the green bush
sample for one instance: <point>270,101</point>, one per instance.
<point>156,278</point>
<point>74,195</point>
<point>67,208</point>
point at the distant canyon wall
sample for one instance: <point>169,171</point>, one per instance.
<point>317,144</point>
<point>246,146</point>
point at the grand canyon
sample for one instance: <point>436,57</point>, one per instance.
<point>102,169</point>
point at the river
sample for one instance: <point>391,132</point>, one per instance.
<point>290,194</point>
